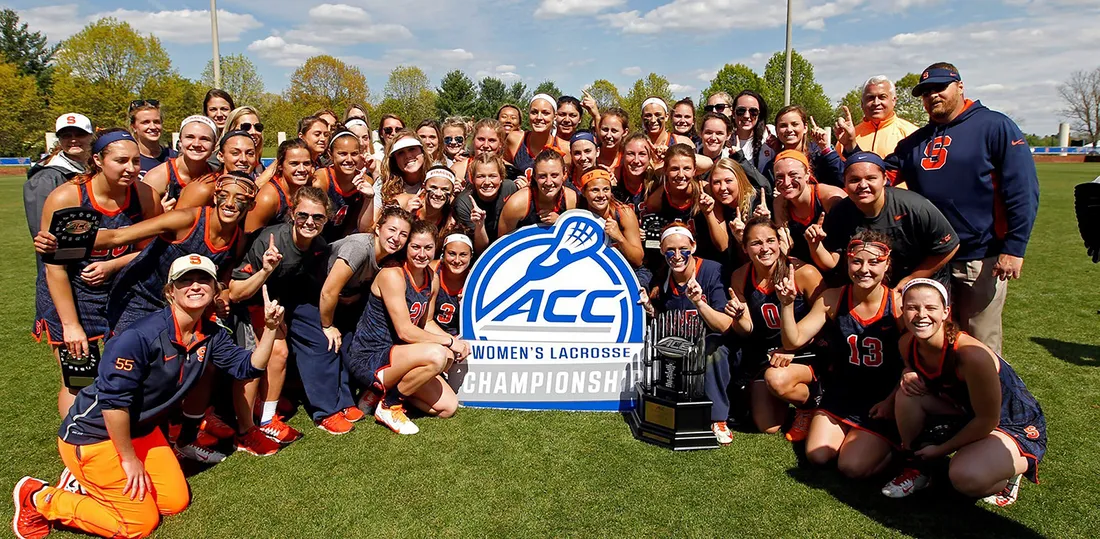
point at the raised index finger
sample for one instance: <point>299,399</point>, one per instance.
<point>813,123</point>
<point>267,298</point>
<point>847,112</point>
<point>271,241</point>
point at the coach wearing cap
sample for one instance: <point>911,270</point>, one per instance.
<point>68,158</point>
<point>975,165</point>
<point>922,241</point>
<point>881,128</point>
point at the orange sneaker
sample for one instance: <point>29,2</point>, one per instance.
<point>353,414</point>
<point>801,426</point>
<point>257,443</point>
<point>335,424</point>
<point>214,425</point>
<point>279,431</point>
<point>28,522</point>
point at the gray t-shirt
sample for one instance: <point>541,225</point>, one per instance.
<point>357,251</point>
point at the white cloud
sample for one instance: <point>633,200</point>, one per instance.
<point>277,51</point>
<point>505,67</point>
<point>343,24</point>
<point>922,38</point>
<point>181,26</point>
<point>632,71</point>
<point>680,89</point>
<point>429,60</point>
<point>549,9</point>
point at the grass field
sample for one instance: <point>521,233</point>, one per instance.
<point>495,473</point>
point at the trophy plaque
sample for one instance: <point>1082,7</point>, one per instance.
<point>673,410</point>
<point>652,224</point>
<point>75,230</point>
<point>79,371</point>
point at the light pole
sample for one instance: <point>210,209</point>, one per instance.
<point>787,69</point>
<point>218,57</point>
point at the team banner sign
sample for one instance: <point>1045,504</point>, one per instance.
<point>554,322</point>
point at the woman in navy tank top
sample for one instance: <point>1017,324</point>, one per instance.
<point>523,146</point>
<point>543,200</point>
<point>293,170</point>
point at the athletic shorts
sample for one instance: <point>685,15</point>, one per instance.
<point>364,368</point>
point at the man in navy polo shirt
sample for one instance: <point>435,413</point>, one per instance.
<point>974,164</point>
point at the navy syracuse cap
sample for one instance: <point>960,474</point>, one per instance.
<point>936,75</point>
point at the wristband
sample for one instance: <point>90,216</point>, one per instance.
<point>452,341</point>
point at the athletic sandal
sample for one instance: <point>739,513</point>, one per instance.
<point>28,522</point>
<point>1007,496</point>
<point>279,431</point>
<point>255,442</point>
<point>910,481</point>
<point>214,426</point>
<point>335,424</point>
<point>801,426</point>
<point>394,417</point>
<point>722,432</point>
<point>68,482</point>
<point>353,414</point>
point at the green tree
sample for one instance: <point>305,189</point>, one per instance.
<point>653,85</point>
<point>24,113</point>
<point>549,88</point>
<point>109,52</point>
<point>517,94</point>
<point>26,50</point>
<point>491,95</point>
<point>805,91</point>
<point>239,78</point>
<point>281,114</point>
<point>179,98</point>
<point>605,93</point>
<point>408,95</point>
<point>909,107</point>
<point>854,101</point>
<point>457,95</point>
<point>326,82</point>
<point>732,79</point>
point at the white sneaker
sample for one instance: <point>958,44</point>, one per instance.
<point>722,432</point>
<point>910,481</point>
<point>368,401</point>
<point>199,453</point>
<point>68,482</point>
<point>394,417</point>
<point>1007,496</point>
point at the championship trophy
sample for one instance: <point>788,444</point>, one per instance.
<point>79,371</point>
<point>75,230</point>
<point>673,410</point>
<point>652,224</point>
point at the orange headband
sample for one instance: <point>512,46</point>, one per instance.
<point>593,175</point>
<point>793,154</point>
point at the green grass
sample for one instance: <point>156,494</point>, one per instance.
<point>494,473</point>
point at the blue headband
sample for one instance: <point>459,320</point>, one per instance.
<point>113,136</point>
<point>583,135</point>
<point>866,157</point>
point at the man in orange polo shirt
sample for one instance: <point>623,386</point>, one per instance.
<point>881,129</point>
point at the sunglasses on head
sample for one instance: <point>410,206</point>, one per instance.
<point>454,140</point>
<point>719,108</point>
<point>750,111</point>
<point>302,217</point>
<point>248,127</point>
<point>143,102</point>
<point>855,246</point>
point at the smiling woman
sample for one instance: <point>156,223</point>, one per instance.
<point>146,126</point>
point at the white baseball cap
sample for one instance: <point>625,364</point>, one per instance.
<point>73,119</point>
<point>188,263</point>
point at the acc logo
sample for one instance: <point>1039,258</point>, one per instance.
<point>674,347</point>
<point>560,284</point>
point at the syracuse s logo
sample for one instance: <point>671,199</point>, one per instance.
<point>560,284</point>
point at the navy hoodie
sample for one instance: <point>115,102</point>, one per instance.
<point>979,172</point>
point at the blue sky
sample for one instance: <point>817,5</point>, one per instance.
<point>1012,53</point>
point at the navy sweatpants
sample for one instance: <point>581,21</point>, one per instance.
<point>716,378</point>
<point>324,377</point>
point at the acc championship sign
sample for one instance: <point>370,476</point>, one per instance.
<point>553,320</point>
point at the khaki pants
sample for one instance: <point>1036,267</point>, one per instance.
<point>978,299</point>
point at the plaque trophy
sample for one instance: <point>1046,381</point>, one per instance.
<point>79,371</point>
<point>652,224</point>
<point>75,230</point>
<point>673,411</point>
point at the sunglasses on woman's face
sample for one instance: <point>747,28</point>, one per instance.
<point>719,108</point>
<point>302,217</point>
<point>390,130</point>
<point>454,140</point>
<point>248,127</point>
<point>751,112</point>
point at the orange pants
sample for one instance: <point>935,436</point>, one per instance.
<point>106,511</point>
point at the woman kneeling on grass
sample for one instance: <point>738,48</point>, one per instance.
<point>398,349</point>
<point>854,424</point>
<point>110,440</point>
<point>1003,431</point>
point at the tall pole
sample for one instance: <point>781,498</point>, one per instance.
<point>787,72</point>
<point>218,56</point>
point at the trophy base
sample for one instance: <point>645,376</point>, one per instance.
<point>680,426</point>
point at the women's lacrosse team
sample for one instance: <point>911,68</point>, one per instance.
<point>221,294</point>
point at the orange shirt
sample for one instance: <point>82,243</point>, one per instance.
<point>881,137</point>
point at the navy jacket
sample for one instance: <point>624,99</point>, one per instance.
<point>147,371</point>
<point>979,172</point>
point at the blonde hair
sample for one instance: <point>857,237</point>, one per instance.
<point>744,187</point>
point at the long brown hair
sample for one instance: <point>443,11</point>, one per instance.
<point>393,183</point>
<point>782,262</point>
<point>683,150</point>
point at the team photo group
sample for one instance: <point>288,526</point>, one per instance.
<point>853,281</point>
